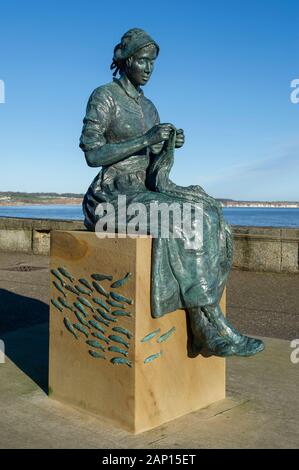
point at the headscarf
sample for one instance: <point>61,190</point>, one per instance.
<point>131,42</point>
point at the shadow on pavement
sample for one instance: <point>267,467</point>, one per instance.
<point>27,347</point>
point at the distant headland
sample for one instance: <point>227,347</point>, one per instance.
<point>11,198</point>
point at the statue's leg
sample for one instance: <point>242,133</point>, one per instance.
<point>242,345</point>
<point>205,338</point>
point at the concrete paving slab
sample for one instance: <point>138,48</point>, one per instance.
<point>265,304</point>
<point>261,411</point>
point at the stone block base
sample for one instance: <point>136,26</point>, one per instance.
<point>121,364</point>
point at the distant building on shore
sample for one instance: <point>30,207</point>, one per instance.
<point>277,204</point>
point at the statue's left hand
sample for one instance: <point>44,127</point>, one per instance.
<point>180,138</point>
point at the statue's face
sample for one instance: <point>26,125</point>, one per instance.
<point>141,65</point>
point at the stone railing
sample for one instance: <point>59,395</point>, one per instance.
<point>255,248</point>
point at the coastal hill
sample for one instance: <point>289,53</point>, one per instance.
<point>11,198</point>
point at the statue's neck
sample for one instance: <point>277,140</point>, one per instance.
<point>129,88</point>
<point>128,84</point>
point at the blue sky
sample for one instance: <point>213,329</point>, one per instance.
<point>223,74</point>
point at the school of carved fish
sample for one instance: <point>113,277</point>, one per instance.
<point>93,317</point>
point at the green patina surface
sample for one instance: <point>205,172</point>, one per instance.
<point>122,135</point>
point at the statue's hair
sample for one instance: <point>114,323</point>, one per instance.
<point>131,42</point>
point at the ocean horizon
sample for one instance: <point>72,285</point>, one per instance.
<point>251,216</point>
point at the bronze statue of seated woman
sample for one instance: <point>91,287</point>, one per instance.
<point>123,135</point>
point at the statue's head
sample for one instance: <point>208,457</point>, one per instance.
<point>134,56</point>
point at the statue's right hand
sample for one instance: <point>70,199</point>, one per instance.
<point>159,133</point>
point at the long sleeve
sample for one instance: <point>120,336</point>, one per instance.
<point>111,131</point>
<point>97,119</point>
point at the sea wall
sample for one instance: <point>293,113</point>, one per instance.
<point>31,235</point>
<point>255,248</point>
<point>266,249</point>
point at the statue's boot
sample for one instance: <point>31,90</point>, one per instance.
<point>205,337</point>
<point>241,345</point>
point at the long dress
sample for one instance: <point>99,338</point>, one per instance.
<point>181,278</point>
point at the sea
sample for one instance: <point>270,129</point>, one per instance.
<point>254,216</point>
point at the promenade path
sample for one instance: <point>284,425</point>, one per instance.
<point>262,408</point>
